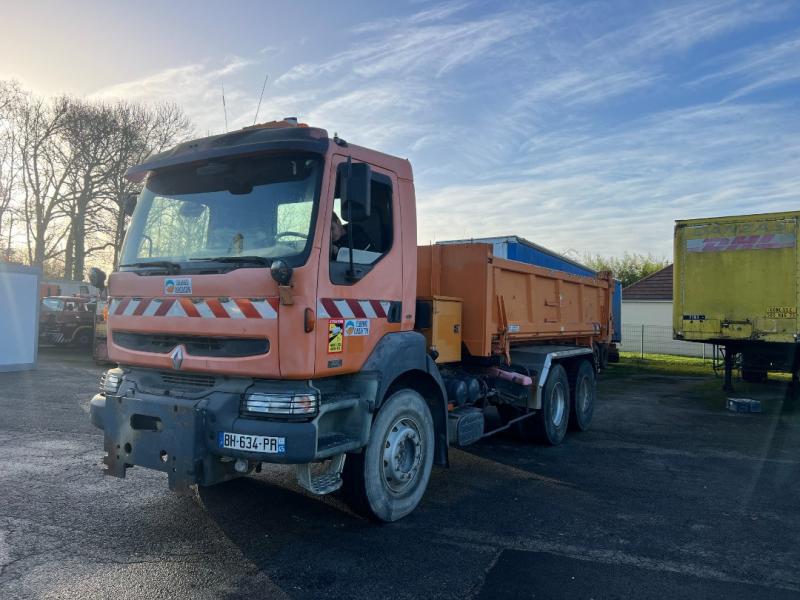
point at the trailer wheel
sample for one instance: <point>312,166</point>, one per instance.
<point>550,425</point>
<point>387,480</point>
<point>583,396</point>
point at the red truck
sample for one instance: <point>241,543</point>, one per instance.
<point>67,320</point>
<point>272,306</point>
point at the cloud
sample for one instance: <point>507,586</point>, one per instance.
<point>422,43</point>
<point>757,68</point>
<point>437,13</point>
<point>196,87</point>
<point>576,125</point>
<point>622,191</point>
<point>683,25</point>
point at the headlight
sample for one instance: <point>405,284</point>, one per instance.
<point>280,404</point>
<point>110,381</point>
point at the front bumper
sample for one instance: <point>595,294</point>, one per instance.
<point>180,436</point>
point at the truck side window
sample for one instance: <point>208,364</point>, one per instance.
<point>372,235</point>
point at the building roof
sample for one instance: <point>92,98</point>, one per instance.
<point>657,286</point>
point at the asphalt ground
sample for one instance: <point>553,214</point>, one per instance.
<point>667,496</point>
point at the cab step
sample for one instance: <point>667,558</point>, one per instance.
<point>327,481</point>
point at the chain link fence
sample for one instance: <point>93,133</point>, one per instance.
<point>657,339</point>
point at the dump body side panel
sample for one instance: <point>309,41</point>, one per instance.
<point>522,250</point>
<point>509,299</point>
<point>736,278</point>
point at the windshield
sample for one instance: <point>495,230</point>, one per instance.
<point>53,303</point>
<point>249,207</point>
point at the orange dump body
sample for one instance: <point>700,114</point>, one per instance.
<point>506,302</point>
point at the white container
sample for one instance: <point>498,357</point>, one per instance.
<point>19,316</point>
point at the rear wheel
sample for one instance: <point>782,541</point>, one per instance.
<point>387,480</point>
<point>550,425</point>
<point>583,397</point>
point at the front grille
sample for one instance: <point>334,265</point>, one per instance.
<point>195,345</point>
<point>188,381</point>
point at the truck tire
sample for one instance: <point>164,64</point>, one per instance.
<point>83,338</point>
<point>387,480</point>
<point>613,353</point>
<point>550,425</point>
<point>584,392</point>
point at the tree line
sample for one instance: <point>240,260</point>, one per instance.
<point>62,174</point>
<point>628,268</point>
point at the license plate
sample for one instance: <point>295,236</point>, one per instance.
<point>252,443</point>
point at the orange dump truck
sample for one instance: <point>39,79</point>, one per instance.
<point>272,306</point>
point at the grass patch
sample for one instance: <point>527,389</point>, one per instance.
<point>632,362</point>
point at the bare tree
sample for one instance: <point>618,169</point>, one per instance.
<point>9,94</point>
<point>45,167</point>
<point>139,132</point>
<point>104,142</point>
<point>87,134</point>
<point>62,172</point>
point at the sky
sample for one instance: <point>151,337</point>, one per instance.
<point>582,126</point>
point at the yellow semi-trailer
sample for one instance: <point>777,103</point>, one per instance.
<point>736,285</point>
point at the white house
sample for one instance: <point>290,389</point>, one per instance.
<point>647,318</point>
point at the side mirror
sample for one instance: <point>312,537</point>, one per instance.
<point>129,204</point>
<point>97,278</point>
<point>281,272</point>
<point>356,198</point>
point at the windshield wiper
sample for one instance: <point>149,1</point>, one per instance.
<point>163,264</point>
<point>259,260</point>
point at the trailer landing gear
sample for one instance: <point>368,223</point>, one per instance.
<point>730,356</point>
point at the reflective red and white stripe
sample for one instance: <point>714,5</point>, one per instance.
<point>329,308</point>
<point>201,308</point>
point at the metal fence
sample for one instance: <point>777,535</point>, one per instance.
<point>657,339</point>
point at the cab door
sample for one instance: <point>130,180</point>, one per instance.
<point>356,308</point>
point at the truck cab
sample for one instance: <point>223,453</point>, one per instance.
<point>265,311</point>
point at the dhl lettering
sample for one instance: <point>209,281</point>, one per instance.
<point>741,242</point>
<point>734,229</point>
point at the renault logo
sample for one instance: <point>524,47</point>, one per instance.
<point>177,357</point>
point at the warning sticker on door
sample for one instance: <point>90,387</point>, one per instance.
<point>335,335</point>
<point>356,327</point>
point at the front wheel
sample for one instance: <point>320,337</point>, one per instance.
<point>83,338</point>
<point>387,480</point>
